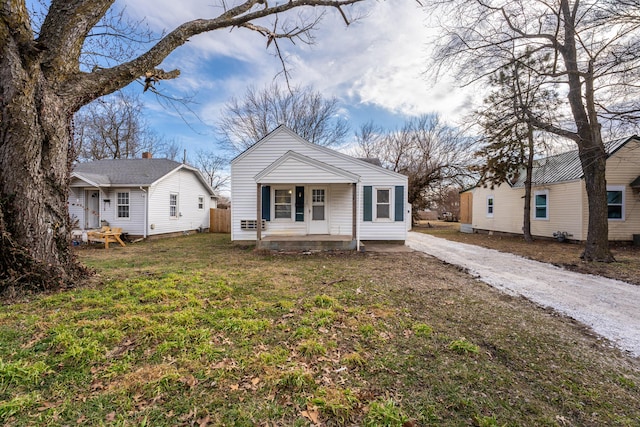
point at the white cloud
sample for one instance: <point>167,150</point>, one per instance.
<point>378,61</point>
<point>381,60</point>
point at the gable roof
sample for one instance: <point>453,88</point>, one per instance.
<point>130,172</point>
<point>565,166</point>
<point>284,128</point>
<point>313,168</point>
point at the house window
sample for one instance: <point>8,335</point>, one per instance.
<point>122,205</point>
<point>541,202</point>
<point>490,206</point>
<point>173,205</point>
<point>200,203</point>
<point>383,203</point>
<point>615,203</point>
<point>282,203</point>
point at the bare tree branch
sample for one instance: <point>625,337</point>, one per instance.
<point>103,81</point>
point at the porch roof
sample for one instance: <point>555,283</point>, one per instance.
<point>293,167</point>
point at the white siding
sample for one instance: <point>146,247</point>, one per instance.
<point>246,166</point>
<point>294,170</point>
<point>76,206</point>
<point>133,225</point>
<point>188,188</point>
<point>383,229</point>
<point>340,201</point>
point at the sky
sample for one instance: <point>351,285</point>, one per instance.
<point>375,67</point>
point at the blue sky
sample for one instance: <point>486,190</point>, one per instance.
<point>375,67</point>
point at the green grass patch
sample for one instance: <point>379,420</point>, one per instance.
<point>195,331</point>
<point>385,414</point>
<point>462,346</point>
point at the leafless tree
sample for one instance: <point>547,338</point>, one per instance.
<point>113,128</point>
<point>369,140</point>
<point>44,83</point>
<point>212,166</point>
<point>315,118</point>
<point>429,152</point>
<point>169,149</point>
<point>593,46</point>
<point>447,199</point>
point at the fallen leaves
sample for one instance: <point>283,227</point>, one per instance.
<point>311,414</point>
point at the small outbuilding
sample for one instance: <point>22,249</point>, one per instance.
<point>290,193</point>
<point>144,197</point>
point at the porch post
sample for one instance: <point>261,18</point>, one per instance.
<point>354,213</point>
<point>258,213</point>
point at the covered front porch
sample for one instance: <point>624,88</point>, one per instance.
<point>305,204</point>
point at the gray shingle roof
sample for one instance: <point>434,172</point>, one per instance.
<point>563,167</point>
<point>127,172</point>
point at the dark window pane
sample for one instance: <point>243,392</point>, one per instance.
<point>614,197</point>
<point>283,211</point>
<point>383,196</point>
<point>614,212</point>
<point>382,211</point>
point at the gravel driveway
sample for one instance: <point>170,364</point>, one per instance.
<point>610,307</point>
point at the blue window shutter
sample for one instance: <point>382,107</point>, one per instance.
<point>399,203</point>
<point>266,202</point>
<point>367,196</point>
<point>299,204</point>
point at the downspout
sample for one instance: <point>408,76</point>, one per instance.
<point>100,197</point>
<point>146,209</point>
<point>101,206</point>
<point>358,213</point>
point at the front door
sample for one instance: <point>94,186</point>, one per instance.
<point>92,210</point>
<point>318,210</point>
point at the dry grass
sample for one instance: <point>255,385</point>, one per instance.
<point>567,255</point>
<point>193,331</point>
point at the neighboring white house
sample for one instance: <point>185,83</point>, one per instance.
<point>559,198</point>
<point>312,195</point>
<point>142,196</point>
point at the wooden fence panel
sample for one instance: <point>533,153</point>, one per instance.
<point>466,208</point>
<point>220,221</point>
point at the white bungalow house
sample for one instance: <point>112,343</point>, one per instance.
<point>144,197</point>
<point>306,196</point>
<point>559,199</point>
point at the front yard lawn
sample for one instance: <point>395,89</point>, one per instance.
<point>193,331</point>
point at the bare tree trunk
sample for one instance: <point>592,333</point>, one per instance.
<point>590,147</point>
<point>34,144</point>
<point>593,158</point>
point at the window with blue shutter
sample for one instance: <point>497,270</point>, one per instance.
<point>367,197</point>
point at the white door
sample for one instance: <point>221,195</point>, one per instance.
<point>92,210</point>
<point>318,211</point>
